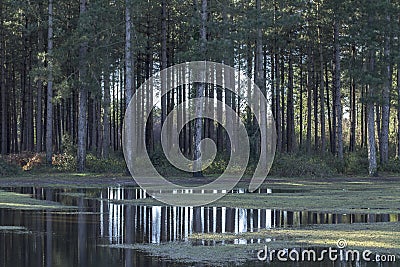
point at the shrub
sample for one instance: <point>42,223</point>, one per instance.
<point>289,165</point>
<point>355,163</point>
<point>7,168</point>
<point>392,166</point>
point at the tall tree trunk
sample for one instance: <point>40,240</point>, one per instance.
<point>290,108</point>
<point>49,103</point>
<point>386,101</point>
<point>106,114</point>
<point>371,124</point>
<point>278,117</point>
<point>301,102</point>
<point>309,97</point>
<point>39,103</point>
<point>328,106</point>
<point>83,96</point>
<point>322,93</point>
<point>164,61</point>
<point>316,104</point>
<point>200,87</point>
<point>2,84</point>
<point>338,95</point>
<point>398,110</point>
<point>129,80</point>
<point>261,84</point>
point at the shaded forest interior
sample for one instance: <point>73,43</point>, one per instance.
<point>331,70</point>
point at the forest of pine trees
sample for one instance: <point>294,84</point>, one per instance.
<point>332,68</point>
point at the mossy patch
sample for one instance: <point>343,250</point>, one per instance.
<point>377,237</point>
<point>25,202</point>
<point>184,252</point>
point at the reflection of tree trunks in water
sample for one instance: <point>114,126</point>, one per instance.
<point>129,234</point>
<point>49,232</point>
<point>82,234</point>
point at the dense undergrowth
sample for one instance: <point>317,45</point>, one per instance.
<point>285,165</point>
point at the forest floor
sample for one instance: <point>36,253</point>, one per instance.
<point>366,195</point>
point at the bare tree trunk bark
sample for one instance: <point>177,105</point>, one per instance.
<point>290,109</point>
<point>106,114</point>
<point>309,97</point>
<point>39,96</point>
<point>3,85</point>
<point>199,94</point>
<point>371,124</point>
<point>164,61</point>
<point>278,118</point>
<point>261,84</point>
<point>398,111</point>
<point>83,96</point>
<point>386,102</point>
<point>322,93</point>
<point>338,95</point>
<point>49,103</point>
<point>129,82</point>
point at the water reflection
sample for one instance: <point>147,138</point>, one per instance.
<point>164,223</point>
<point>72,238</point>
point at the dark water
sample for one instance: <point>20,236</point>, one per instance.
<point>74,238</point>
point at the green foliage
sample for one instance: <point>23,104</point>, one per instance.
<point>111,165</point>
<point>355,163</point>
<point>392,166</point>
<point>7,168</point>
<point>294,165</point>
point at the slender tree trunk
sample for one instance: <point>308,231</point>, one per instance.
<point>309,97</point>
<point>283,118</point>
<point>328,106</point>
<point>164,60</point>
<point>338,95</point>
<point>371,124</point>
<point>129,80</point>
<point>83,97</point>
<point>301,102</point>
<point>39,96</point>
<point>322,93</point>
<point>398,111</point>
<point>106,114</point>
<point>290,109</point>
<point>278,117</point>
<point>261,84</point>
<point>200,87</point>
<point>49,103</point>
<point>3,85</point>
<point>386,102</point>
<point>316,102</point>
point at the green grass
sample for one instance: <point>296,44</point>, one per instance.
<point>25,202</point>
